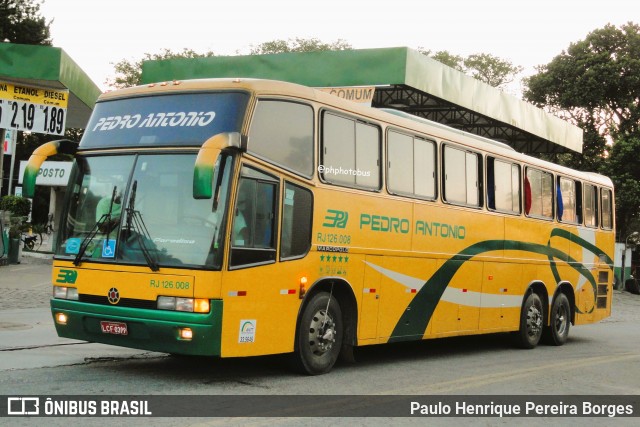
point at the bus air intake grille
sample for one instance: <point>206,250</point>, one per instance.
<point>123,302</point>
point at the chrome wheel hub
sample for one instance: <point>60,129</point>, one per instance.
<point>534,321</point>
<point>322,333</point>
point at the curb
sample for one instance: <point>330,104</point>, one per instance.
<point>36,258</point>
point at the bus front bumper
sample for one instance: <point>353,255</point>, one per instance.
<point>154,330</point>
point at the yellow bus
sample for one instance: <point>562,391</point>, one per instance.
<point>239,217</point>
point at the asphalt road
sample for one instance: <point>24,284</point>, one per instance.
<point>599,359</point>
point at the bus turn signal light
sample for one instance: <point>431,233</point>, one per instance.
<point>303,287</point>
<point>201,305</point>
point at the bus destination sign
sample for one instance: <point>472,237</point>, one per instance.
<point>33,109</point>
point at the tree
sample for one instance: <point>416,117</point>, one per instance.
<point>595,80</point>
<point>128,73</point>
<point>20,22</point>
<point>595,84</point>
<point>454,61</point>
<point>482,66</point>
<point>298,45</point>
<point>624,171</point>
<point>491,69</point>
<point>18,206</point>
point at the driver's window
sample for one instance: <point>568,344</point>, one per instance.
<point>253,234</point>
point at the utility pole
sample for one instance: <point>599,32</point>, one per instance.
<point>12,143</point>
<point>2,133</point>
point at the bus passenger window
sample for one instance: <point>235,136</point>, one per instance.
<point>350,152</point>
<point>461,171</point>
<point>503,186</point>
<point>567,198</point>
<point>411,166</point>
<point>607,209</point>
<point>297,212</point>
<point>590,203</point>
<point>254,219</point>
<point>282,132</point>
<point>541,192</point>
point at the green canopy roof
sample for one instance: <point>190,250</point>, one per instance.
<point>405,80</point>
<point>50,67</point>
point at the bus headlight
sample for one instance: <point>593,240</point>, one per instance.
<point>63,292</point>
<point>192,305</point>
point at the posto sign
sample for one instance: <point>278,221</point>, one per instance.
<point>53,174</point>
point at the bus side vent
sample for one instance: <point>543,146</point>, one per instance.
<point>603,277</point>
<point>601,302</point>
<point>602,289</point>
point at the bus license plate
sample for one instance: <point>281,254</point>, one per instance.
<point>115,328</point>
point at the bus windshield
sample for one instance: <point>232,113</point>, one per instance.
<point>135,209</point>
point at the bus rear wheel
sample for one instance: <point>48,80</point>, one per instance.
<point>558,331</point>
<point>319,336</point>
<point>531,322</point>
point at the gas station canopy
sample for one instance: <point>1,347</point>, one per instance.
<point>405,80</point>
<point>49,67</point>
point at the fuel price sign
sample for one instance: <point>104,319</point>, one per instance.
<point>33,109</point>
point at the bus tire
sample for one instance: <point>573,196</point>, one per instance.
<point>631,285</point>
<point>560,320</point>
<point>319,337</point>
<point>531,322</point>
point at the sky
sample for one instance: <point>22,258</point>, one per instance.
<point>96,34</point>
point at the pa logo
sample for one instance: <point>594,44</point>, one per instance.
<point>335,219</point>
<point>67,276</point>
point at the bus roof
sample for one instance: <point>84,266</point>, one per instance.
<point>262,87</point>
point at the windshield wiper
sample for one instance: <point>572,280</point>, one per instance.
<point>94,230</point>
<point>136,223</point>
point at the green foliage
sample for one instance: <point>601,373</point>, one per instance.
<point>18,206</point>
<point>128,73</point>
<point>298,45</point>
<point>20,22</point>
<point>595,84</point>
<point>594,151</point>
<point>596,79</point>
<point>482,66</point>
<point>624,169</point>
<point>491,69</point>
<point>17,227</point>
<point>454,61</point>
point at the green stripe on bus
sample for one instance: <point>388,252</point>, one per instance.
<point>413,323</point>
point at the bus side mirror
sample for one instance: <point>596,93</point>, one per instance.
<point>206,161</point>
<point>51,148</point>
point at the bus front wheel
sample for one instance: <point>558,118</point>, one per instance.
<point>531,322</point>
<point>319,336</point>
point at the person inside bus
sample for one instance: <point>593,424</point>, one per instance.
<point>111,206</point>
<point>240,231</point>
